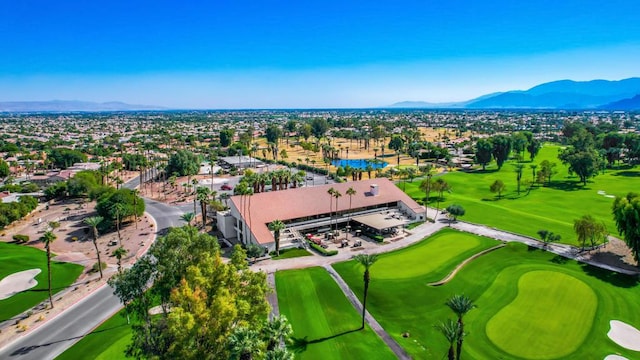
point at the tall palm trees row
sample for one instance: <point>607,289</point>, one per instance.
<point>280,179</point>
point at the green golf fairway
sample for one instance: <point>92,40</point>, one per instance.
<point>325,324</point>
<point>531,304</point>
<point>553,208</point>
<point>434,257</point>
<point>15,258</point>
<point>547,304</point>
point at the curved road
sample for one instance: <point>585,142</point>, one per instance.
<point>59,333</point>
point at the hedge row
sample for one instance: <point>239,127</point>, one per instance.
<point>322,250</point>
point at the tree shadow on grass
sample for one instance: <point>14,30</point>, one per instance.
<point>559,259</point>
<point>300,344</point>
<point>627,173</point>
<point>611,277</point>
<point>567,186</point>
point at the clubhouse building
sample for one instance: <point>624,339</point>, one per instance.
<point>377,206</point>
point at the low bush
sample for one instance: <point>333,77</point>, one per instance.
<point>21,238</point>
<point>322,250</point>
<point>94,268</point>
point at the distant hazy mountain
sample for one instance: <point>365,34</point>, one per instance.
<point>563,94</point>
<point>625,104</point>
<point>65,106</point>
<point>423,104</point>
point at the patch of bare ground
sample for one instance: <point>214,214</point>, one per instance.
<point>614,253</point>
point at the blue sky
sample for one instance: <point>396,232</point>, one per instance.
<point>274,54</point>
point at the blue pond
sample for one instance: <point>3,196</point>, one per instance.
<point>359,163</point>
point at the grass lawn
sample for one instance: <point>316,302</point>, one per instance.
<point>530,305</point>
<point>553,208</point>
<point>325,324</point>
<point>433,258</point>
<point>14,258</point>
<point>107,341</point>
<point>290,253</point>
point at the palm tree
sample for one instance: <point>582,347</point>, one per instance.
<point>279,354</point>
<point>366,260</point>
<point>118,208</point>
<point>188,217</point>
<point>276,226</point>
<point>337,194</point>
<point>350,192</point>
<point>331,192</point>
<point>135,193</point>
<point>93,222</point>
<point>47,238</point>
<point>244,344</point>
<point>440,185</point>
<point>276,330</point>
<point>202,195</point>
<point>460,304</point>
<point>451,331</point>
<point>118,253</point>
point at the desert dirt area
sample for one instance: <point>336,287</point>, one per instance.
<point>179,194</point>
<point>74,244</point>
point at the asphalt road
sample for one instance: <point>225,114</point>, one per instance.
<point>61,332</point>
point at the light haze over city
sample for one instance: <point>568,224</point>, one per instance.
<point>283,54</point>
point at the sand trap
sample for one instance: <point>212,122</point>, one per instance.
<point>18,282</point>
<point>615,357</point>
<point>624,335</point>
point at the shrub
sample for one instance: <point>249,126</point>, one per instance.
<point>94,268</point>
<point>21,238</point>
<point>322,250</point>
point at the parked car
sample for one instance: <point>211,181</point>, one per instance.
<point>309,177</point>
<point>226,187</point>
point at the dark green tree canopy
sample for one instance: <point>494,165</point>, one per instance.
<point>226,137</point>
<point>183,163</point>
<point>319,127</point>
<point>396,143</point>
<point>501,149</point>
<point>63,157</point>
<point>626,213</point>
<point>130,205</point>
<point>484,150</point>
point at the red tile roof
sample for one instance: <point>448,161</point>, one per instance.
<point>309,201</point>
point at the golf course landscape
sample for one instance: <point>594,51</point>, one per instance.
<point>553,207</point>
<point>15,258</point>
<point>325,324</point>
<point>530,304</point>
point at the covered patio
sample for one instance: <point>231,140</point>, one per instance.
<point>381,223</point>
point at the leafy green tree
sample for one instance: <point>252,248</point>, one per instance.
<point>547,170</point>
<point>534,148</point>
<point>585,164</point>
<point>277,226</point>
<point>48,238</point>
<point>63,157</point>
<point>440,185</point>
<point>4,169</point>
<point>183,163</point>
<point>548,237</point>
<point>588,228</point>
<point>519,142</point>
<point>273,133</point>
<point>460,305</point>
<point>226,136</point>
<point>366,260</point>
<point>497,187</point>
<point>484,150</point>
<point>279,354</point>
<point>93,223</point>
<point>455,210</point>
<point>209,298</point>
<point>501,149</point>
<point>118,205</point>
<point>451,331</point>
<point>396,143</point>
<point>306,131</point>
<point>319,127</point>
<point>626,213</point>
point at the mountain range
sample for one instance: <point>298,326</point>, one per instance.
<point>563,94</point>
<point>71,106</point>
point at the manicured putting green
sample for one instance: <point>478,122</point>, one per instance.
<point>14,258</point>
<point>550,317</point>
<point>324,322</point>
<point>437,255</point>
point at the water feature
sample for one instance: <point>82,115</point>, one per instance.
<point>359,163</point>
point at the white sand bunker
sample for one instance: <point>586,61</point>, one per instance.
<point>615,357</point>
<point>624,335</point>
<point>18,282</point>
